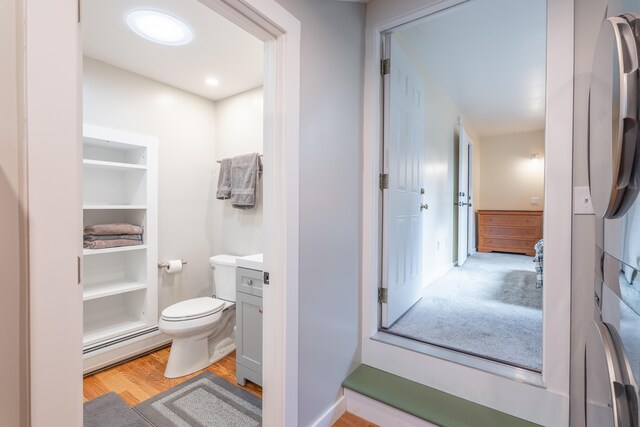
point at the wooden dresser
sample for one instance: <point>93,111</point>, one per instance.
<point>509,231</point>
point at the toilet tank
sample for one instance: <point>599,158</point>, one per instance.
<point>224,276</point>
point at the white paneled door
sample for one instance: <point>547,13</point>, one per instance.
<point>463,197</point>
<point>402,201</point>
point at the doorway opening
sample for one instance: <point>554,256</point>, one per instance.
<point>175,149</point>
<point>463,193</point>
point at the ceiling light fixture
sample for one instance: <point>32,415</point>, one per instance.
<point>159,27</point>
<point>212,81</point>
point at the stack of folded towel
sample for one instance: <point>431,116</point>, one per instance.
<point>102,236</point>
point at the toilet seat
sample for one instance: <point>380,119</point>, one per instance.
<point>195,308</point>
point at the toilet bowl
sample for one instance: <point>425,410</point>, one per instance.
<point>202,329</point>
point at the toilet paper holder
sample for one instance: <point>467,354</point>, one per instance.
<point>166,264</point>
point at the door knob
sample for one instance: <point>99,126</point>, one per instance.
<point>424,206</point>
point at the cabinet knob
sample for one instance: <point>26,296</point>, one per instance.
<point>249,282</point>
<point>260,310</point>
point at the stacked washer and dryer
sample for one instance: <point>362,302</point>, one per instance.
<point>613,342</point>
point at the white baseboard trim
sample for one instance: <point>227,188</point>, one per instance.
<point>331,415</point>
<point>102,358</point>
<point>379,413</point>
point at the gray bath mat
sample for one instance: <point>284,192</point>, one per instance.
<point>205,400</point>
<point>110,411</point>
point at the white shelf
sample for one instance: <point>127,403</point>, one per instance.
<point>86,252</point>
<point>108,289</point>
<point>102,329</point>
<point>114,207</point>
<point>105,165</point>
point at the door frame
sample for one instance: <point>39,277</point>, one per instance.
<point>513,391</point>
<point>54,119</point>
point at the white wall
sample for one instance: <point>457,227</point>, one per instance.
<point>509,177</point>
<point>13,310</point>
<point>185,126</point>
<point>330,131</point>
<point>441,176</point>
<point>441,139</point>
<point>239,121</point>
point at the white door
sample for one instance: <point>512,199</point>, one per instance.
<point>403,145</point>
<point>463,198</point>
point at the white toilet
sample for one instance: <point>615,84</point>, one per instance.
<point>202,328</point>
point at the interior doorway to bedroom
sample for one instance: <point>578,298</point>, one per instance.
<point>463,194</point>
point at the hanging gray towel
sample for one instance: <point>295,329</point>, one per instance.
<point>244,176</point>
<point>224,180</point>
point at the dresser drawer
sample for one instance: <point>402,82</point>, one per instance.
<point>531,232</point>
<point>510,220</point>
<point>509,243</point>
<point>249,281</point>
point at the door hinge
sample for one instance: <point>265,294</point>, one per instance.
<point>384,181</point>
<point>385,67</point>
<point>265,277</point>
<point>383,295</point>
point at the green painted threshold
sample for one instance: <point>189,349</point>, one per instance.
<point>425,402</point>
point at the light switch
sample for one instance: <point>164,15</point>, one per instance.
<point>535,201</point>
<point>582,201</point>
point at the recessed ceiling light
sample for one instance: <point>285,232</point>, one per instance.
<point>159,27</point>
<point>212,81</point>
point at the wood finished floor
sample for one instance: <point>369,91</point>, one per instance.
<point>142,378</point>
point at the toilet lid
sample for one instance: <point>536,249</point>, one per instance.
<point>193,308</point>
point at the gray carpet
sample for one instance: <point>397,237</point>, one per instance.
<point>110,411</point>
<point>205,400</point>
<point>489,307</point>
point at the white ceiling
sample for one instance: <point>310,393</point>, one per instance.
<point>489,56</point>
<point>219,48</point>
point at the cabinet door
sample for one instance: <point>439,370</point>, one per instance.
<point>249,331</point>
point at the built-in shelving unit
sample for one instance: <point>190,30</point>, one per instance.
<point>119,284</point>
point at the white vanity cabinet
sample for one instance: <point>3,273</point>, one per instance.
<point>120,185</point>
<point>248,326</point>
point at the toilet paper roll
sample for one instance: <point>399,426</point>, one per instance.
<point>175,266</point>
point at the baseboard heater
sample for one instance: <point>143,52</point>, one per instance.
<point>119,340</point>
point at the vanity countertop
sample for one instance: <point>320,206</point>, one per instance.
<point>252,262</point>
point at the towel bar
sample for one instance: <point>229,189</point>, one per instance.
<point>166,264</point>
<point>259,165</point>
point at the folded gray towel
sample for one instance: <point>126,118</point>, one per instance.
<point>91,238</point>
<point>110,229</point>
<point>244,176</point>
<point>103,244</point>
<point>224,180</point>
